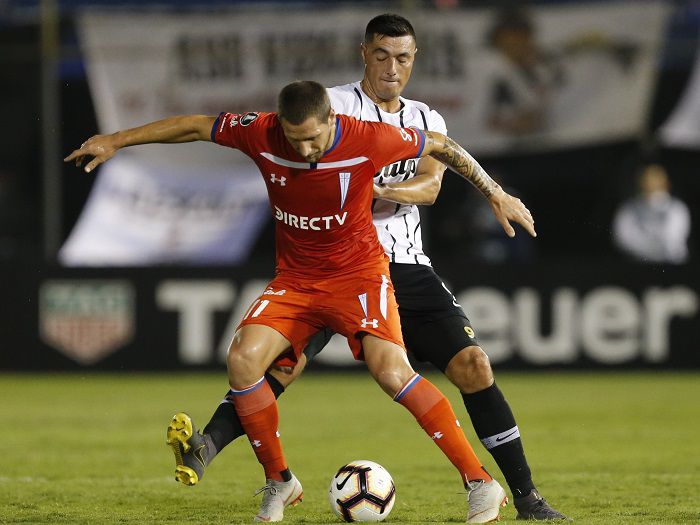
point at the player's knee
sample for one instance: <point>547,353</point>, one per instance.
<point>470,370</point>
<point>387,363</point>
<point>245,364</point>
<point>391,380</point>
<point>236,357</point>
<point>391,372</point>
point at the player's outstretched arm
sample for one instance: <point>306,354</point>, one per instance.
<point>101,148</point>
<point>422,189</point>
<point>506,207</point>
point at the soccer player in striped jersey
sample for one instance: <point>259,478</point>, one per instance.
<point>435,327</point>
<point>331,272</point>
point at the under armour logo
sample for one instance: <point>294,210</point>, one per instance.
<point>281,180</point>
<point>256,443</point>
<point>367,322</point>
<point>437,435</point>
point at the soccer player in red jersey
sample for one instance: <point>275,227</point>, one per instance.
<point>331,269</point>
<point>435,327</point>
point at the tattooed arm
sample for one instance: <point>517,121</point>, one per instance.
<point>505,207</point>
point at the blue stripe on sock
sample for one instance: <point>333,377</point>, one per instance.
<point>248,389</point>
<point>413,382</point>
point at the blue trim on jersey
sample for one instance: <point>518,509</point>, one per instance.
<point>336,139</point>
<point>214,127</point>
<point>422,141</point>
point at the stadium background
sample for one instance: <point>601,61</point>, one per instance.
<point>569,299</point>
<point>598,355</point>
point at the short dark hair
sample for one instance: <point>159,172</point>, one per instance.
<point>389,24</point>
<point>303,99</point>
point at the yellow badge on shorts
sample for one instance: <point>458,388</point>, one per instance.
<point>469,331</point>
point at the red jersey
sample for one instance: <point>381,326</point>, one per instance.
<point>322,210</point>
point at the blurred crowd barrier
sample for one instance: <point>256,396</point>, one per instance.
<point>161,250</point>
<point>576,76</point>
<point>559,100</point>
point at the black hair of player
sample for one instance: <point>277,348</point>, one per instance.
<point>388,24</point>
<point>301,100</point>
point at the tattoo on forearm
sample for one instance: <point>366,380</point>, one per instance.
<point>462,162</point>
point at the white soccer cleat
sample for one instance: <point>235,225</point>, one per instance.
<point>485,501</point>
<point>276,496</point>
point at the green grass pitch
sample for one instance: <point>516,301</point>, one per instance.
<point>603,447</point>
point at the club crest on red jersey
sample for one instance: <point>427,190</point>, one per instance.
<point>344,178</point>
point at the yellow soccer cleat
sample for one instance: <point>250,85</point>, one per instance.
<point>193,450</point>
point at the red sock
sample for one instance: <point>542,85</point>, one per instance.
<point>435,415</point>
<point>257,409</point>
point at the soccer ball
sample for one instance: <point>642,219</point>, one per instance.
<point>362,491</point>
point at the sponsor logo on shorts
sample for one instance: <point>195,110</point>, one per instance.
<point>310,223</point>
<point>470,331</point>
<point>370,322</point>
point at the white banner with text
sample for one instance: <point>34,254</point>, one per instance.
<point>536,80</point>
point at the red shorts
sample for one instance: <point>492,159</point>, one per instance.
<point>350,304</point>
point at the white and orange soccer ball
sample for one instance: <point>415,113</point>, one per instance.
<point>362,491</point>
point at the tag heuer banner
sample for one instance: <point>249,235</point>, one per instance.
<point>549,77</point>
<point>580,315</point>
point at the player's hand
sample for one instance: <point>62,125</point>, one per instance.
<point>100,147</point>
<point>507,208</point>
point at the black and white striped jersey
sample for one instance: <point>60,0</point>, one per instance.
<point>398,225</point>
